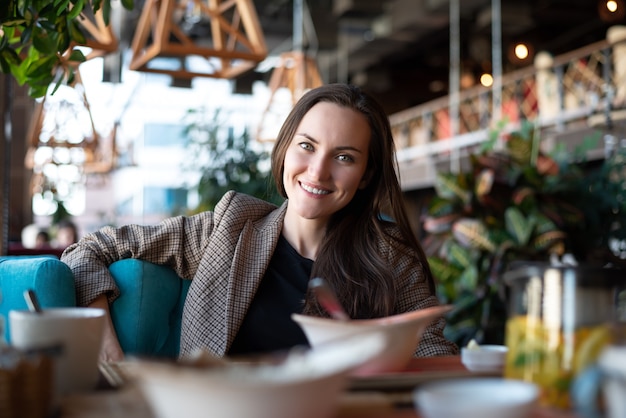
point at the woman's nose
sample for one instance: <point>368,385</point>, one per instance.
<point>319,168</point>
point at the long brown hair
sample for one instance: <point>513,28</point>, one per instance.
<point>349,257</point>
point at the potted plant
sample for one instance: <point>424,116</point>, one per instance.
<point>518,203</point>
<point>226,161</point>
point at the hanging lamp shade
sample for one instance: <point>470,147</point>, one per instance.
<point>62,132</point>
<point>98,35</point>
<point>295,74</point>
<point>225,34</point>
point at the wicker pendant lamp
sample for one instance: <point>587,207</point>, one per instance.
<point>225,34</point>
<point>295,73</point>
<point>99,36</point>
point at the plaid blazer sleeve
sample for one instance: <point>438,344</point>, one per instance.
<point>413,293</point>
<point>178,242</point>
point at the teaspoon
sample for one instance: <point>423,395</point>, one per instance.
<point>32,301</point>
<point>327,298</point>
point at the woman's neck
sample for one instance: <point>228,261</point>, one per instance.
<point>304,235</point>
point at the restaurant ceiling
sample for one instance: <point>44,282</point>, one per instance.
<point>399,49</point>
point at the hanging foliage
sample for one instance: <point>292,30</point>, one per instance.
<point>36,36</point>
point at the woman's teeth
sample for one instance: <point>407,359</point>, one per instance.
<point>314,190</point>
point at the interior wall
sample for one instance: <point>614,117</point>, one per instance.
<point>4,166</point>
<point>16,108</point>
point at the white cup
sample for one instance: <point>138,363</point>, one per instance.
<point>606,378</point>
<point>77,331</point>
<point>612,362</point>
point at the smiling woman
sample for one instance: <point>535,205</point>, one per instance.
<point>250,261</point>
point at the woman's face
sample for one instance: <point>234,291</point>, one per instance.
<point>325,163</point>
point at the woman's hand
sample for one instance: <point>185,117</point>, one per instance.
<point>111,351</point>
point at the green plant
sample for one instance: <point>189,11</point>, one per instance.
<point>518,203</point>
<point>227,162</point>
<point>36,38</point>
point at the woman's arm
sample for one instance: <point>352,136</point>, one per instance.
<point>177,242</point>
<point>111,350</point>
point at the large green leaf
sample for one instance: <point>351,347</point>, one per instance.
<point>61,6</point>
<point>473,233</point>
<point>26,35</point>
<point>469,278</point>
<point>448,187</point>
<point>518,226</point>
<point>44,41</point>
<point>77,56</point>
<point>460,256</point>
<point>442,270</point>
<point>441,207</point>
<point>41,67</point>
<point>79,5</point>
<point>128,4</point>
<point>10,56</point>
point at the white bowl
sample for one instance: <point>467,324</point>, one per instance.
<point>484,358</point>
<point>402,332</point>
<point>305,385</point>
<point>476,398</point>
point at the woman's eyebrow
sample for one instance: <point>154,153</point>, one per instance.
<point>344,148</point>
<point>307,136</point>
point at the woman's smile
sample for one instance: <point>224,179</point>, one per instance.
<point>314,189</point>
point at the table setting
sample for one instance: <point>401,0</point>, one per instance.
<point>393,398</point>
<point>352,368</point>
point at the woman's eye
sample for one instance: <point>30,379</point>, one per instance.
<point>345,158</point>
<point>306,146</point>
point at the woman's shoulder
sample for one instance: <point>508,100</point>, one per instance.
<point>241,204</point>
<point>393,242</point>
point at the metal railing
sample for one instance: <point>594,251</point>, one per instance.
<point>568,92</point>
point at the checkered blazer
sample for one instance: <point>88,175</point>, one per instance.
<point>225,253</point>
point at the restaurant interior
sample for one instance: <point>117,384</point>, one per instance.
<point>523,99</point>
<point>399,50</point>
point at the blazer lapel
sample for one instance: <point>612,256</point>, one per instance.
<point>257,242</point>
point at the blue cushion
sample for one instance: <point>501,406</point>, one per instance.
<point>51,279</point>
<point>148,313</point>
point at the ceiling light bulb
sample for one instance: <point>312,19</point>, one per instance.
<point>611,6</point>
<point>486,80</point>
<point>521,51</point>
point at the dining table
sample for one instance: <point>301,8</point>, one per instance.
<point>380,396</point>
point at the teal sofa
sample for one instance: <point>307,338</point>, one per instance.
<point>146,316</point>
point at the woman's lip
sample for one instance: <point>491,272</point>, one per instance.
<point>310,188</point>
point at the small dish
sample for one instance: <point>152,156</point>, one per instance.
<point>484,358</point>
<point>477,397</point>
<point>402,333</point>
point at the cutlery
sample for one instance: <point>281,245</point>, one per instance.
<point>32,301</point>
<point>327,298</point>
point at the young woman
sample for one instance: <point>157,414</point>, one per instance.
<point>250,261</point>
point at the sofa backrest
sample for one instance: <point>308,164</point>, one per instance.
<point>51,279</point>
<point>148,313</point>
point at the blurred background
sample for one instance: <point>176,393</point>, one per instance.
<point>170,134</point>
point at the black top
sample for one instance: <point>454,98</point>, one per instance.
<point>268,326</point>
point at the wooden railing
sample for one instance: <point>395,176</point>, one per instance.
<point>568,93</point>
